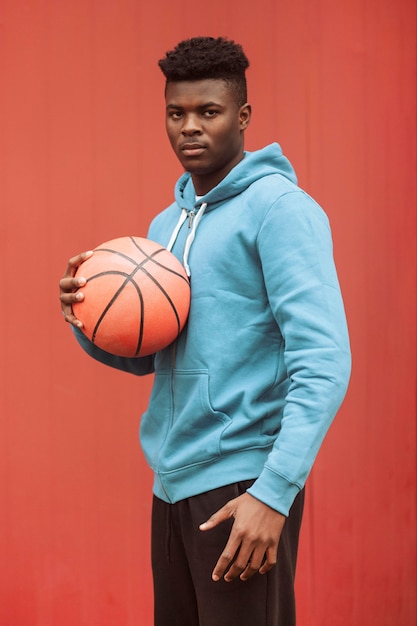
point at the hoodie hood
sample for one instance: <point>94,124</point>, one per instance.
<point>265,162</point>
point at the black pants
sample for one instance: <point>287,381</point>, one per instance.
<point>183,558</point>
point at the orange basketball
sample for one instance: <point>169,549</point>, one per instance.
<point>137,297</point>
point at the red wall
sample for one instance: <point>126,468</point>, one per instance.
<point>84,158</point>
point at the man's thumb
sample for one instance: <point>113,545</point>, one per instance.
<point>220,516</point>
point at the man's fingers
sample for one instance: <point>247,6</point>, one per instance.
<point>225,560</point>
<point>237,563</point>
<point>253,565</point>
<point>71,319</point>
<point>240,556</point>
<point>69,297</point>
<point>253,540</point>
<point>67,300</point>
<point>69,284</point>
<point>270,560</point>
<point>239,566</point>
<point>245,565</point>
<point>261,562</point>
<point>76,260</point>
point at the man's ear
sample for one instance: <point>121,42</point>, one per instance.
<point>245,113</point>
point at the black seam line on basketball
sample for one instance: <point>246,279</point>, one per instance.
<point>158,263</point>
<point>142,311</point>
<point>168,269</point>
<point>127,275</point>
<point>158,284</point>
<point>126,256</point>
<point>151,258</point>
<point>110,273</point>
<point>129,258</point>
<point>145,260</point>
<point>112,301</point>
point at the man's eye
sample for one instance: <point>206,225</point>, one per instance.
<point>210,113</point>
<point>176,115</point>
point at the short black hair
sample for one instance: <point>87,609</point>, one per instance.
<point>201,58</point>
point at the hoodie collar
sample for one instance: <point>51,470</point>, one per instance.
<point>254,165</point>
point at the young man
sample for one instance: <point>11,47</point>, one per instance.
<point>242,400</point>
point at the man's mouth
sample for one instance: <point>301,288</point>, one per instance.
<point>192,148</point>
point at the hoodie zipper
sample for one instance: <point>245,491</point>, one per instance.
<point>173,353</point>
<point>191,216</point>
<point>192,225</point>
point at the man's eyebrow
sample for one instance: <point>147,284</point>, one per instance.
<point>211,104</point>
<point>200,106</point>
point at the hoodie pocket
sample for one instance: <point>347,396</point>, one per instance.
<point>180,427</point>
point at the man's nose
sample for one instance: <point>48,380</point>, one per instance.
<point>191,125</point>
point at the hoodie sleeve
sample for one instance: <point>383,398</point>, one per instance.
<point>138,366</point>
<point>295,249</point>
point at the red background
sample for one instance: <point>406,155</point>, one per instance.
<point>84,158</point>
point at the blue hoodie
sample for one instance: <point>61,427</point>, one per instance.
<point>255,379</point>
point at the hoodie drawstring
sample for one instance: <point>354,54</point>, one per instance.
<point>176,230</point>
<point>190,237</point>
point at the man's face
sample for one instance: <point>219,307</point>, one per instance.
<point>205,128</point>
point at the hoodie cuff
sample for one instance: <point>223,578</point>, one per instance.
<point>139,366</point>
<point>275,491</point>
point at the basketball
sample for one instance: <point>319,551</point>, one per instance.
<point>136,299</point>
